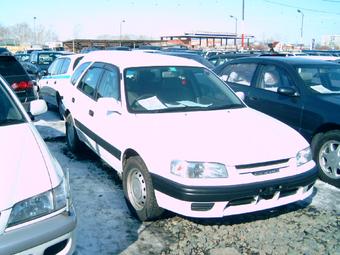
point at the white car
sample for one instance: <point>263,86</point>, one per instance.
<point>52,85</point>
<point>181,139</point>
<point>36,214</point>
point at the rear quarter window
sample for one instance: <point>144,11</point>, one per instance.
<point>10,66</point>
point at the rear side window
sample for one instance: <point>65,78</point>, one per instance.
<point>10,66</point>
<point>76,62</point>
<point>239,73</point>
<point>55,66</point>
<point>77,73</point>
<point>89,81</point>
<point>65,66</point>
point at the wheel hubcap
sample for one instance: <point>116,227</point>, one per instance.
<point>136,189</point>
<point>329,159</point>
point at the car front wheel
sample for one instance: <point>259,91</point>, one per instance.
<point>327,156</point>
<point>138,190</point>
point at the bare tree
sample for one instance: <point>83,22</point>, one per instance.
<point>24,34</point>
<point>21,32</point>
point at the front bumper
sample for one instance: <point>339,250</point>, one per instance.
<point>49,236</point>
<point>219,201</point>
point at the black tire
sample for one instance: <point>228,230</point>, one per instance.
<point>326,149</point>
<point>72,138</point>
<point>138,190</point>
<point>60,108</point>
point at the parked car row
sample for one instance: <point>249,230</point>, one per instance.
<point>279,96</point>
<point>180,138</point>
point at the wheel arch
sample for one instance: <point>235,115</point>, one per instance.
<point>324,128</point>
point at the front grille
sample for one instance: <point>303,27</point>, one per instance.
<point>263,168</point>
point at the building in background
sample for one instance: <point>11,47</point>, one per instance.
<point>202,40</point>
<point>332,41</point>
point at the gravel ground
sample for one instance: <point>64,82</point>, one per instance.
<point>105,225</point>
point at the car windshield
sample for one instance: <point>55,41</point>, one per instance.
<point>9,112</point>
<point>47,58</point>
<point>321,79</point>
<point>176,89</point>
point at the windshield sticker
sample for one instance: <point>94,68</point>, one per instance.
<point>321,89</point>
<point>152,103</point>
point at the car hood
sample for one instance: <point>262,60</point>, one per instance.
<point>239,136</point>
<point>23,170</point>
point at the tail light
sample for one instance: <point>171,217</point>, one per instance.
<point>22,85</point>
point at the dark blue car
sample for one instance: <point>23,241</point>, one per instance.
<point>303,93</point>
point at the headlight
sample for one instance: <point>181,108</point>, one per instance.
<point>303,156</point>
<point>39,205</point>
<point>198,169</point>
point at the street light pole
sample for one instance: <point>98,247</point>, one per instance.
<point>302,16</point>
<point>120,31</point>
<point>242,25</point>
<point>34,31</point>
<point>231,16</point>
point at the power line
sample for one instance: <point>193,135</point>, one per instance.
<point>301,8</point>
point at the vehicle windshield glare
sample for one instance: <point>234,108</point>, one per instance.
<point>47,58</point>
<point>9,113</point>
<point>321,79</point>
<point>176,88</point>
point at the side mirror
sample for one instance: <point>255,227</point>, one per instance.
<point>240,95</point>
<point>37,107</point>
<point>109,105</point>
<point>42,73</point>
<point>287,91</point>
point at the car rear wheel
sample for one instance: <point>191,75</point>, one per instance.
<point>72,138</point>
<point>327,157</point>
<point>60,108</point>
<point>138,190</point>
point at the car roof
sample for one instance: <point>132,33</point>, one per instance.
<point>71,56</point>
<point>286,60</point>
<point>125,59</point>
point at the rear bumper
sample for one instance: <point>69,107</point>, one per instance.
<point>55,234</point>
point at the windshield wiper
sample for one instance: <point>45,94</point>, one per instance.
<point>227,106</point>
<point>11,122</point>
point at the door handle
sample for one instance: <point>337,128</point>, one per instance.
<point>55,82</point>
<point>73,99</point>
<point>91,113</point>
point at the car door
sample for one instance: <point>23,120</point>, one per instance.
<point>83,102</point>
<point>268,95</point>
<point>47,83</point>
<point>71,85</point>
<point>60,78</point>
<point>107,112</point>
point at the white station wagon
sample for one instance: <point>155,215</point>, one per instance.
<point>181,139</point>
<point>36,214</point>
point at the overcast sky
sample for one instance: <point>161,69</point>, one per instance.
<point>266,19</point>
